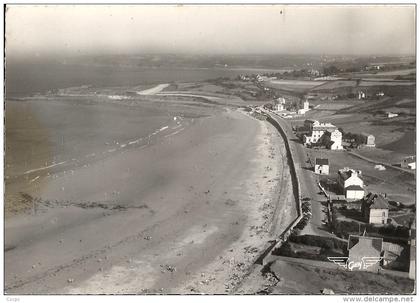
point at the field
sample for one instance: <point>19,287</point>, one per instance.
<point>293,85</point>
<point>399,186</point>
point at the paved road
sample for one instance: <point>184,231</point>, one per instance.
<point>308,181</point>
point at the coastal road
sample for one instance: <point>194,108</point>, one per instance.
<point>308,181</point>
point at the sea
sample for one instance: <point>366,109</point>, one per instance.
<point>37,78</point>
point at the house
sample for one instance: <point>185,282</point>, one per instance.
<point>322,166</point>
<point>392,115</point>
<point>278,107</point>
<point>380,94</point>
<point>336,139</point>
<point>364,253</point>
<point>315,130</point>
<point>361,95</point>
<point>349,177</point>
<point>412,269</point>
<point>369,139</point>
<point>409,162</point>
<point>354,192</point>
<point>375,209</point>
<point>281,100</point>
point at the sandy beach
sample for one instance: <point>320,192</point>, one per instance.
<point>186,213</point>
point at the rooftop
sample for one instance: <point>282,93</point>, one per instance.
<point>354,187</point>
<point>376,201</point>
<point>321,161</point>
<point>365,242</point>
<point>346,173</point>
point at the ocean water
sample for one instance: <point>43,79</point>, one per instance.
<point>23,79</point>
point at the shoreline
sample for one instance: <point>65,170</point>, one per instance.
<point>219,236</point>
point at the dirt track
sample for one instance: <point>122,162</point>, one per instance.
<point>186,214</point>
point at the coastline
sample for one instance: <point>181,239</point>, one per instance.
<point>102,261</point>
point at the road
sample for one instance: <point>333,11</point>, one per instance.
<point>308,179</point>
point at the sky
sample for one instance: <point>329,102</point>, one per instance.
<point>39,30</point>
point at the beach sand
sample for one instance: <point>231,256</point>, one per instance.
<point>186,213</point>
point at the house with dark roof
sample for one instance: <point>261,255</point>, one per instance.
<point>375,209</point>
<point>364,253</point>
<point>322,166</point>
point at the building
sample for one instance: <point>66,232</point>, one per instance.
<point>369,139</point>
<point>350,183</point>
<point>322,166</point>
<point>315,130</point>
<point>336,139</point>
<point>361,95</point>
<point>364,253</point>
<point>375,209</point>
<point>354,192</point>
<point>412,269</point>
<point>409,162</point>
<point>392,115</point>
<point>278,107</point>
<point>281,100</point>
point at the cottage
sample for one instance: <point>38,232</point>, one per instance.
<point>279,107</point>
<point>375,209</point>
<point>354,192</point>
<point>336,140</point>
<point>349,177</point>
<point>392,115</point>
<point>322,166</point>
<point>409,162</point>
<point>364,253</point>
<point>281,100</point>
<point>369,139</point>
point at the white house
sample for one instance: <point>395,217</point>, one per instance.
<point>369,139</point>
<point>316,130</point>
<point>392,115</point>
<point>350,183</point>
<point>336,139</point>
<point>322,166</point>
<point>361,95</point>
<point>278,107</point>
<point>305,108</point>
<point>354,192</point>
<point>281,100</point>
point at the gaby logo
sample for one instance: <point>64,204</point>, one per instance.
<point>363,264</point>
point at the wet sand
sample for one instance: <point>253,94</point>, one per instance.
<point>187,213</point>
